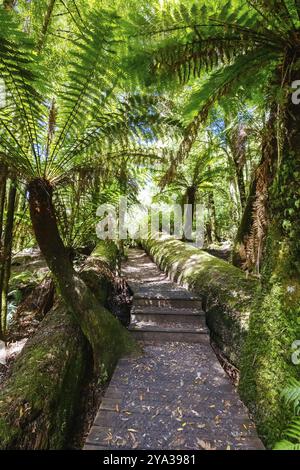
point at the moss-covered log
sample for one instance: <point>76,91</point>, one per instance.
<point>38,400</point>
<point>226,291</point>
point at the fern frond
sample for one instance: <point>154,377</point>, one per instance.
<point>291,395</point>
<point>221,83</point>
<point>22,101</point>
<point>91,78</point>
<point>286,445</point>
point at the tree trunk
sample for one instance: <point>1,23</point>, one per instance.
<point>249,242</point>
<point>190,200</point>
<point>274,323</point>
<point>97,324</point>
<point>237,143</point>
<point>6,258</point>
<point>285,194</point>
<point>240,183</point>
<point>3,177</point>
<point>212,233</point>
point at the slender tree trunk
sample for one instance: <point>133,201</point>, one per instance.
<point>240,182</point>
<point>7,252</point>
<point>46,24</point>
<point>212,234</point>
<point>3,177</point>
<point>97,324</point>
<point>237,143</point>
<point>190,200</point>
<point>21,234</point>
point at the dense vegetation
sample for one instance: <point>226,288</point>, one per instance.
<point>177,100</point>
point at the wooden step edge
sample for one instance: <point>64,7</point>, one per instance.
<point>150,329</point>
<point>160,312</point>
<point>161,296</point>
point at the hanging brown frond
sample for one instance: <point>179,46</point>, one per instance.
<point>254,242</point>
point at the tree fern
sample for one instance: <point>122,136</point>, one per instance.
<point>228,44</point>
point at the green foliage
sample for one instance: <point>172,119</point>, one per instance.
<point>291,396</point>
<point>105,99</point>
<point>267,365</point>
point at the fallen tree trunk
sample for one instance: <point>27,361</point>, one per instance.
<point>38,400</point>
<point>226,291</point>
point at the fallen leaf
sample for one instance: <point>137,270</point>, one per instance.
<point>205,445</point>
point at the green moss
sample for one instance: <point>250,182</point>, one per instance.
<point>107,251</point>
<point>39,399</point>
<point>32,412</point>
<point>274,326</point>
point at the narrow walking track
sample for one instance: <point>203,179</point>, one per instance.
<point>176,395</point>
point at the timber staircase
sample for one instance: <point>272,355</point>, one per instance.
<point>161,310</point>
<point>175,396</point>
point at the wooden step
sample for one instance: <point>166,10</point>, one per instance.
<point>159,291</point>
<point>165,316</point>
<point>165,299</point>
<point>152,310</point>
<point>163,335</point>
<point>183,321</point>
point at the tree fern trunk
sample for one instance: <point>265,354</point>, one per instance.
<point>7,252</point>
<point>285,194</point>
<point>97,324</point>
<point>274,321</point>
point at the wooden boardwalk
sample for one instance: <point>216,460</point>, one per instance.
<point>175,396</point>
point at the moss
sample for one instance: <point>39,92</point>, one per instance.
<point>274,326</point>
<point>37,402</point>
<point>226,291</point>
<point>107,251</point>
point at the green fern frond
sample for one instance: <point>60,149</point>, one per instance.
<point>18,71</point>
<point>286,445</point>
<point>291,395</point>
<point>92,76</point>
